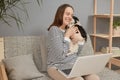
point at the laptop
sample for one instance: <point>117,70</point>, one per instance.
<point>91,64</point>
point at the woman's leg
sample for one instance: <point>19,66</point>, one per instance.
<point>92,77</point>
<point>56,75</point>
<point>77,78</point>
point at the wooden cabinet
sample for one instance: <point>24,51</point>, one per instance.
<point>108,36</point>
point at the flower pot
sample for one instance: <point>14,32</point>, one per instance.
<point>116,31</point>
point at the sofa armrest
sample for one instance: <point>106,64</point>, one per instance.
<point>3,74</point>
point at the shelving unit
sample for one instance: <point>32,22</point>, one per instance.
<point>108,36</point>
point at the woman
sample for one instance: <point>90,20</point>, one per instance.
<point>58,45</point>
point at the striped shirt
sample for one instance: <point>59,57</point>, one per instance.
<point>57,48</point>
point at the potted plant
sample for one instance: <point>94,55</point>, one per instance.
<point>7,11</point>
<point>116,27</point>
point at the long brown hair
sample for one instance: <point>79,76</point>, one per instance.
<point>58,20</point>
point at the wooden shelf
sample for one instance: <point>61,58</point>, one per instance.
<point>106,36</point>
<point>114,54</point>
<point>115,61</point>
<point>106,15</point>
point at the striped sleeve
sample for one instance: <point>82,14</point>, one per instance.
<point>57,46</point>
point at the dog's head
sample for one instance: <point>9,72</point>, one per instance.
<point>76,23</point>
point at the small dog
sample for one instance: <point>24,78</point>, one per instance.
<point>74,47</point>
<point>75,22</point>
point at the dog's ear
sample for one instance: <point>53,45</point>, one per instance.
<point>75,19</point>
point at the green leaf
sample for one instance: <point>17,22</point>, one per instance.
<point>116,23</point>
<point>9,6</point>
<point>39,1</point>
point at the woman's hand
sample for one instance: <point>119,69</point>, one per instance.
<point>71,31</point>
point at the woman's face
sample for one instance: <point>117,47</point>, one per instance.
<point>67,16</point>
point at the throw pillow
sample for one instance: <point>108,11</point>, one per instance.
<point>21,68</point>
<point>37,60</point>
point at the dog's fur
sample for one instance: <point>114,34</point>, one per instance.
<point>75,23</point>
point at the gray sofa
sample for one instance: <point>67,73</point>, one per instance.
<point>25,59</point>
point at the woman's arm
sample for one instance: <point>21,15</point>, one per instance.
<point>57,46</point>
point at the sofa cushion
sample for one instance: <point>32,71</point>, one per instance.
<point>22,45</point>
<point>43,50</point>
<point>87,48</point>
<point>21,67</point>
<point>38,61</point>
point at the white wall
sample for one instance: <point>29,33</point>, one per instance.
<point>42,17</point>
